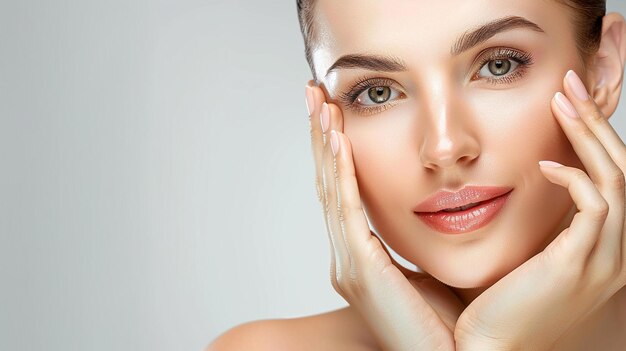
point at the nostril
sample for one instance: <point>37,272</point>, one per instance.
<point>445,162</point>
<point>468,159</point>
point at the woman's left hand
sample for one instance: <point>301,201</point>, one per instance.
<point>536,304</point>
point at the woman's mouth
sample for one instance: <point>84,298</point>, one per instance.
<point>440,213</point>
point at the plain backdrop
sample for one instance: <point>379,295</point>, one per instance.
<point>156,176</point>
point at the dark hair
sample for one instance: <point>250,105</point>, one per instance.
<point>587,20</point>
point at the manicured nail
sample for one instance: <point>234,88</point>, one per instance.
<point>577,85</point>
<point>325,117</point>
<point>551,164</point>
<point>309,99</point>
<point>334,142</point>
<point>565,106</point>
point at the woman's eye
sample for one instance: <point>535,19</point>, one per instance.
<point>371,95</point>
<point>376,95</point>
<point>497,68</point>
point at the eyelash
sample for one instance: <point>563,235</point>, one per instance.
<point>348,98</point>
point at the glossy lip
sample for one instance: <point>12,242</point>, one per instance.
<point>487,200</point>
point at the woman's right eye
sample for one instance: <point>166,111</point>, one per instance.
<point>377,95</point>
<point>371,95</point>
<point>503,65</point>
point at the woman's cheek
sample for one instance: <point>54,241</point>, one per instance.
<point>532,134</point>
<point>386,158</point>
<point>533,130</point>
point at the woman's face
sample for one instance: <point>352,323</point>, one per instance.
<point>447,120</point>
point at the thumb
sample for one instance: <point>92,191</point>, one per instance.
<point>405,271</point>
<point>440,297</point>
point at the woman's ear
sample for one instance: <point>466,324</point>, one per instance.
<point>607,70</point>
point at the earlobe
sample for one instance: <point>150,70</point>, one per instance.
<point>607,69</point>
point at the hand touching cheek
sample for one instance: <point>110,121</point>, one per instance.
<point>534,305</point>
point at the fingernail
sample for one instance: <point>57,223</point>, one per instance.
<point>334,142</point>
<point>565,106</point>
<point>325,117</point>
<point>551,164</point>
<point>309,99</point>
<point>577,85</point>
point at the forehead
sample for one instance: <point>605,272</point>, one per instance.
<point>417,28</point>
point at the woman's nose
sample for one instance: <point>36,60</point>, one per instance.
<point>449,135</point>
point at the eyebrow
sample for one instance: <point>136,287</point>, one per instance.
<point>467,40</point>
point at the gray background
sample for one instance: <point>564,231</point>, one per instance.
<point>156,178</point>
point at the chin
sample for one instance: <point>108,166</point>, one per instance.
<point>478,264</point>
<point>476,276</point>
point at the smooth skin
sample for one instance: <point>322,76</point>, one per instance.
<point>570,296</point>
<point>572,278</point>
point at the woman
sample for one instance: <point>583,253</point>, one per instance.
<point>432,123</point>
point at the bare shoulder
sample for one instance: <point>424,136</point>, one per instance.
<point>257,335</point>
<point>335,330</point>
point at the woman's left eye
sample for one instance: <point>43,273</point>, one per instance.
<point>498,67</point>
<point>503,65</point>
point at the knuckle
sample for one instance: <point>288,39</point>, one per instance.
<point>600,209</point>
<point>565,254</point>
<point>324,184</point>
<point>327,212</point>
<point>315,136</point>
<point>616,179</point>
<point>596,116</point>
<point>580,175</point>
<point>348,283</point>
<point>584,132</point>
<point>339,180</point>
<point>576,267</point>
<point>340,213</point>
<point>349,211</point>
<point>606,272</point>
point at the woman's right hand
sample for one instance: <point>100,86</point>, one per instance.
<point>405,310</point>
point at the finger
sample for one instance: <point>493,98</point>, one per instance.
<point>333,225</point>
<point>369,259</point>
<point>598,163</point>
<point>603,167</point>
<point>315,97</point>
<point>447,305</point>
<point>595,119</point>
<point>405,271</point>
<point>603,171</point>
<point>578,240</point>
<point>614,240</point>
<point>356,232</point>
<point>309,98</point>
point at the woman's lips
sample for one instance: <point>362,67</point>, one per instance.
<point>483,210</point>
